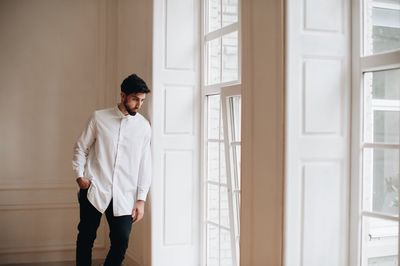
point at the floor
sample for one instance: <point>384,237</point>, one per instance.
<point>65,263</point>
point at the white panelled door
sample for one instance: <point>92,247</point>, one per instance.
<point>317,133</point>
<point>175,195</point>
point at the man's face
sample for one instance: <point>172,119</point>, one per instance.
<point>133,102</point>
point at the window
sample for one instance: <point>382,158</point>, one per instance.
<point>377,160</point>
<point>222,113</point>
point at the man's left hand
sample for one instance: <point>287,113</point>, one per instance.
<point>138,211</point>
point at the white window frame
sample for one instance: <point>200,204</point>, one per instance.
<point>232,176</point>
<point>361,64</point>
<point>206,37</point>
<point>209,90</point>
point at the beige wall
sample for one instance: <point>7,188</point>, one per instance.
<point>59,60</point>
<point>262,132</point>
<point>134,54</point>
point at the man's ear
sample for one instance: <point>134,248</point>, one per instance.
<point>123,95</point>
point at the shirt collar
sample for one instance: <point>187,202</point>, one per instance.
<point>121,114</point>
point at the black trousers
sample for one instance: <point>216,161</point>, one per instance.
<point>120,229</point>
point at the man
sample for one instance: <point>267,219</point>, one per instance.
<point>112,163</point>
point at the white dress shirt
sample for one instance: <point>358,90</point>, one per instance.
<point>114,152</point>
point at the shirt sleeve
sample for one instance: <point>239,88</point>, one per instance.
<point>145,171</point>
<point>82,148</point>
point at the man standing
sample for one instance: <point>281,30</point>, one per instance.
<point>112,164</point>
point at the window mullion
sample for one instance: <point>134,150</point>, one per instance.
<point>216,88</point>
<point>220,60</point>
<point>222,31</point>
<point>217,183</point>
<point>381,145</point>
<point>383,61</point>
<point>219,180</point>
<point>218,225</point>
<point>214,140</point>
<point>380,216</point>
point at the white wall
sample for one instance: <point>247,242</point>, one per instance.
<point>59,60</point>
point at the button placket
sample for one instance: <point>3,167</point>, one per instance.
<point>116,166</point>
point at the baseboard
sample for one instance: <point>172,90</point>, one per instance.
<point>130,261</point>
<point>59,263</point>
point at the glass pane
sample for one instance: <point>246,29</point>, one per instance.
<point>383,85</point>
<point>213,161</point>
<point>237,166</point>
<point>213,113</point>
<point>386,126</point>
<point>229,12</point>
<point>226,248</point>
<point>221,135</point>
<point>224,207</point>
<point>236,112</point>
<point>237,212</point>
<point>222,163</point>
<point>212,245</point>
<point>383,261</point>
<point>381,180</point>
<point>214,15</point>
<point>381,26</point>
<point>382,106</point>
<point>379,242</point>
<point>214,61</point>
<point>236,185</point>
<point>230,63</point>
<point>213,203</point>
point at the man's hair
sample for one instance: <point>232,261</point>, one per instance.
<point>134,84</point>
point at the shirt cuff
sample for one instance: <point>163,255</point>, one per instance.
<point>141,195</point>
<point>79,173</point>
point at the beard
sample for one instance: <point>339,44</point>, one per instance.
<point>130,111</point>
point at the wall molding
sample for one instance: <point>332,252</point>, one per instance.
<point>185,153</point>
<point>40,206</point>
<point>167,66</point>
<point>40,185</point>
<point>170,87</point>
<point>46,248</point>
<point>131,259</point>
